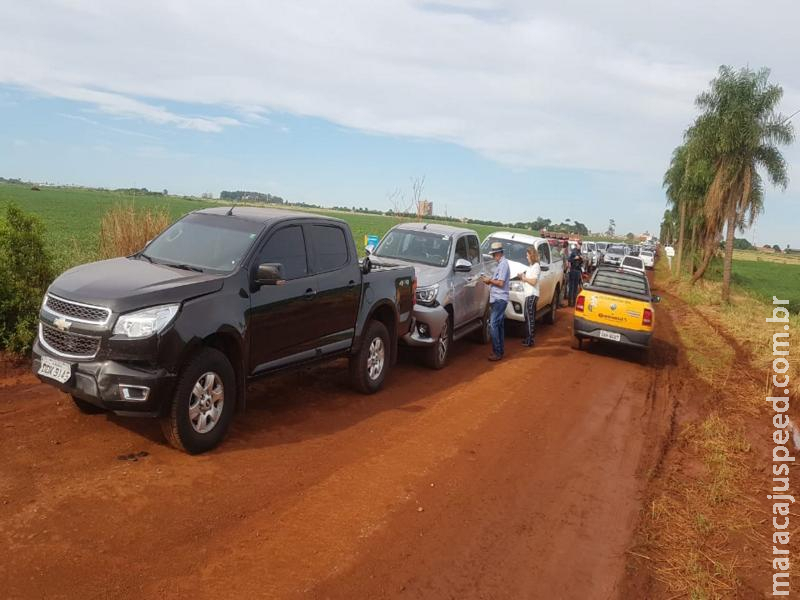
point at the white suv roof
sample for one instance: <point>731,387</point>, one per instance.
<point>516,237</point>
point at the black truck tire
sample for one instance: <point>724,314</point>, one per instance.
<point>202,405</point>
<point>85,407</point>
<point>368,366</point>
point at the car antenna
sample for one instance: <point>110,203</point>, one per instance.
<point>230,212</point>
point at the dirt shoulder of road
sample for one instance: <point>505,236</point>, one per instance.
<point>706,527</point>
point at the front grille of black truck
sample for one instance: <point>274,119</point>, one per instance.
<point>70,345</point>
<point>86,313</point>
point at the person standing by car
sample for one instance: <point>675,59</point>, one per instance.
<point>575,273</point>
<point>499,285</point>
<point>530,283</point>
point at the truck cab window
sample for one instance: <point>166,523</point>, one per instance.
<point>330,247</point>
<point>544,254</point>
<point>287,247</point>
<point>473,250</point>
<point>461,249</point>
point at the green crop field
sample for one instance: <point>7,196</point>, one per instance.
<point>764,279</point>
<point>71,216</point>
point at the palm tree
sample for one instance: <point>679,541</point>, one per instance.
<point>674,184</point>
<point>686,182</point>
<point>668,227</point>
<point>739,132</point>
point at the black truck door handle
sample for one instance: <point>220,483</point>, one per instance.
<point>309,295</point>
<point>351,283</point>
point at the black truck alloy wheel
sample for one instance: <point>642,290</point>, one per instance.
<point>368,367</point>
<point>202,406</point>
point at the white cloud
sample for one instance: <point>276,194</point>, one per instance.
<point>569,84</point>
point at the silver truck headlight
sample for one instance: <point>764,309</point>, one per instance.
<point>427,295</point>
<point>517,286</point>
<point>144,323</point>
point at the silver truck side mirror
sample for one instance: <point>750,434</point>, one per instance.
<point>369,249</point>
<point>462,266</point>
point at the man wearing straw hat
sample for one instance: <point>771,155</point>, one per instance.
<point>499,285</point>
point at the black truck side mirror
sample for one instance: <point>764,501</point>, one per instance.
<point>269,274</point>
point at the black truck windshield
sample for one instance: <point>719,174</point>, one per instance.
<point>423,247</point>
<point>204,243</point>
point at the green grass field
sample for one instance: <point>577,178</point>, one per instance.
<point>71,217</point>
<point>764,279</point>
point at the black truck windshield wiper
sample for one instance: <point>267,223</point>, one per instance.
<point>185,267</point>
<point>144,256</point>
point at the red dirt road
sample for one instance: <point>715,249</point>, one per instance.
<point>519,479</point>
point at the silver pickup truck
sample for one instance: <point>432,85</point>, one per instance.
<point>452,301</point>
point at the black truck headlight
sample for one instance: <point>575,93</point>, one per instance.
<point>144,323</point>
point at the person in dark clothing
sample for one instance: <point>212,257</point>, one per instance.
<point>575,272</point>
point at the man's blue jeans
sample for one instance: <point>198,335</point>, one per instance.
<point>497,326</point>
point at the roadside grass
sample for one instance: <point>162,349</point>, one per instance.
<point>72,217</point>
<point>704,533</point>
<point>124,229</point>
<point>690,522</point>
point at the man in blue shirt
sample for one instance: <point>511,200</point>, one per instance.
<point>499,284</point>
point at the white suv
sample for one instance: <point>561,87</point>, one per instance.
<point>551,281</point>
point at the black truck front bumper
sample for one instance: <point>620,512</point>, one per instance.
<point>123,388</point>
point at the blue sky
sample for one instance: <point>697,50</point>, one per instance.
<point>510,111</point>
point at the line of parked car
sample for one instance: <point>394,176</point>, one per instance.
<point>633,256</point>
<point>225,296</point>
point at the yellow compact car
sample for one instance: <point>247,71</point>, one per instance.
<point>616,306</point>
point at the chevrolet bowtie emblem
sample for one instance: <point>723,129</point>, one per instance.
<point>62,324</point>
<point>613,307</point>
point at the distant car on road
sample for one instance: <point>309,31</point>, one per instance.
<point>551,281</point>
<point>590,255</point>
<point>632,262</point>
<point>617,306</point>
<point>614,254</point>
<point>648,258</point>
<point>452,301</point>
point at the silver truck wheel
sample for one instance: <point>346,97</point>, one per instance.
<point>437,354</point>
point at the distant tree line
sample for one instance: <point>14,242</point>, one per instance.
<point>243,196</point>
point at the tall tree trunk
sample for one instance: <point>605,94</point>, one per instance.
<point>728,260</point>
<point>739,202</point>
<point>679,253</point>
<point>708,253</point>
<point>693,248</point>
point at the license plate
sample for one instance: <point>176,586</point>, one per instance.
<point>55,369</point>
<point>610,335</point>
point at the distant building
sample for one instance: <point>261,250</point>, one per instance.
<point>424,208</point>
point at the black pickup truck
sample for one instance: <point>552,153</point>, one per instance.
<point>221,297</point>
